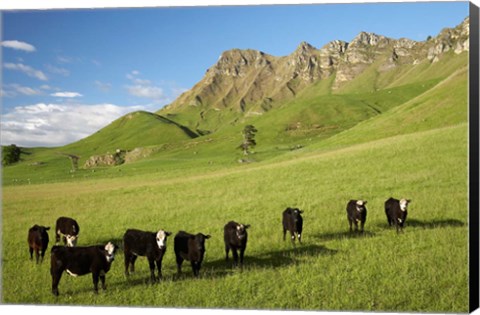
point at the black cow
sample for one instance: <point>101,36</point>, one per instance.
<point>79,261</point>
<point>190,247</point>
<point>235,237</point>
<point>150,244</point>
<point>38,241</point>
<point>356,213</point>
<point>396,212</point>
<point>68,229</point>
<point>293,222</point>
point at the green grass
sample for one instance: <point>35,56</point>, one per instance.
<point>424,269</point>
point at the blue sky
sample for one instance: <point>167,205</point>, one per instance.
<point>68,73</point>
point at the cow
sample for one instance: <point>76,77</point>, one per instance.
<point>190,247</point>
<point>68,229</point>
<point>293,222</point>
<point>150,244</point>
<point>235,237</point>
<point>79,261</point>
<point>356,213</point>
<point>396,212</point>
<point>38,241</point>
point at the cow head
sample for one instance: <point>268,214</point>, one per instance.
<point>71,240</point>
<point>110,250</point>
<point>360,205</point>
<point>296,213</point>
<point>161,238</point>
<point>404,204</point>
<point>241,231</point>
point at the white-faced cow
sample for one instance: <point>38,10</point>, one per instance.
<point>396,212</point>
<point>68,229</point>
<point>356,213</point>
<point>293,222</point>
<point>235,237</point>
<point>38,241</point>
<point>150,244</point>
<point>79,261</point>
<point>190,247</point>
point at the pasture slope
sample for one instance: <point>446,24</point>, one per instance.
<point>425,269</point>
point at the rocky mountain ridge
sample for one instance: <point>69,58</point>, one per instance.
<point>251,82</point>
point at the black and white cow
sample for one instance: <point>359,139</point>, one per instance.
<point>141,243</point>
<point>293,222</point>
<point>38,241</point>
<point>68,229</point>
<point>235,237</point>
<point>190,247</point>
<point>356,213</point>
<point>396,212</point>
<point>79,261</point>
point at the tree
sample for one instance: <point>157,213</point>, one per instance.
<point>248,139</point>
<point>10,154</point>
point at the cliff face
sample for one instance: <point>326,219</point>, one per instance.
<point>251,82</point>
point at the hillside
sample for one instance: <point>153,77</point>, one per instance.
<point>137,129</point>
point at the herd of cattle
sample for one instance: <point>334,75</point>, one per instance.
<point>97,259</point>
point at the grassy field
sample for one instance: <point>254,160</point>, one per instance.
<point>424,269</point>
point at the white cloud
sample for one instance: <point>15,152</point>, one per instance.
<point>66,94</point>
<point>31,72</point>
<point>18,45</point>
<point>57,124</point>
<point>102,86</point>
<point>57,70</point>
<point>146,91</point>
<point>144,88</point>
<point>12,90</point>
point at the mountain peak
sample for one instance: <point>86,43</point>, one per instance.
<point>369,39</point>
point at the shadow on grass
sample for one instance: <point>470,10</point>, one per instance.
<point>343,235</point>
<point>433,224</point>
<point>272,259</point>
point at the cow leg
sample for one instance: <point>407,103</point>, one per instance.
<point>235,257</point>
<point>292,236</point>
<point>133,258</point>
<point>299,236</point>
<point>56,275</point>
<point>179,264</point>
<point>227,249</point>
<point>151,263</point>
<point>31,253</point>
<point>57,238</point>
<point>242,251</point>
<point>196,268</point>
<point>361,226</point>
<point>127,262</point>
<point>350,223</point>
<point>284,233</point>
<point>43,254</point>
<point>159,268</point>
<point>102,279</point>
<point>95,277</point>
<point>37,254</point>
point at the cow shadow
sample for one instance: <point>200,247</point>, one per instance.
<point>272,259</point>
<point>433,224</point>
<point>343,235</point>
